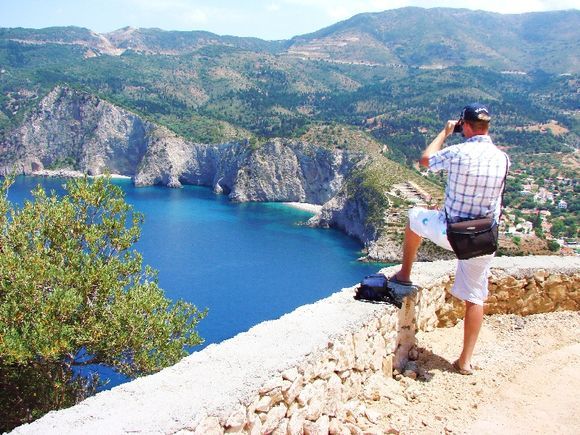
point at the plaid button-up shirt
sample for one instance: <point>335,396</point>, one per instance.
<point>475,175</point>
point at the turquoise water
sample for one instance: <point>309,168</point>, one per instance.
<point>245,262</point>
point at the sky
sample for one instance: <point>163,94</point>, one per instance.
<point>265,19</point>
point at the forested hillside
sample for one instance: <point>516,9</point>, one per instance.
<point>396,75</point>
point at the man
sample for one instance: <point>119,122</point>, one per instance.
<point>476,173</point>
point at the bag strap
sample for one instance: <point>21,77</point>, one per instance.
<point>502,192</point>
<point>507,166</point>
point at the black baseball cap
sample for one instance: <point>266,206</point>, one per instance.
<point>475,112</point>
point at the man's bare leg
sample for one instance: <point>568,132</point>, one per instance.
<point>471,327</point>
<point>410,247</point>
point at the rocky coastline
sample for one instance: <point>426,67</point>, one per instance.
<point>72,129</point>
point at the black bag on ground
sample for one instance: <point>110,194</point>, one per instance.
<point>473,237</point>
<point>374,288</point>
<point>377,281</point>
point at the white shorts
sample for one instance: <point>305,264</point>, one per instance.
<point>471,275</point>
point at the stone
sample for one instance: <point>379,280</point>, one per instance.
<point>335,427</point>
<point>388,366</point>
<point>362,351</point>
<point>376,386</point>
<point>414,354</point>
<point>274,418</point>
<point>209,426</point>
<point>353,429</point>
<point>253,404</point>
<point>344,374</point>
<point>290,374</point>
<point>306,394</point>
<point>334,396</point>
<point>294,390</point>
<point>540,275</point>
<point>411,374</point>
<point>353,385</point>
<point>282,428</point>
<point>255,426</point>
<point>319,427</point>
<point>296,422</point>
<point>556,292</point>
<point>314,408</point>
<point>398,401</point>
<point>344,354</point>
<point>412,394</point>
<point>373,416</point>
<point>237,420</point>
<point>264,404</point>
<point>379,351</point>
<point>328,369</point>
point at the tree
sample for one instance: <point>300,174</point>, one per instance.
<point>73,292</point>
<point>553,246</point>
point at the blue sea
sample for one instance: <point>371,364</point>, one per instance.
<point>245,262</point>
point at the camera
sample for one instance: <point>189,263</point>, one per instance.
<point>458,127</point>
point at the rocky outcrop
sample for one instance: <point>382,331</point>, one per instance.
<point>80,130</point>
<point>279,170</point>
<point>348,213</point>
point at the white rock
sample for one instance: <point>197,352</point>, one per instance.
<point>264,404</point>
<point>373,416</point>
<point>282,428</point>
<point>319,427</point>
<point>344,354</point>
<point>237,420</point>
<point>290,374</point>
<point>274,418</point>
<point>209,426</point>
<point>296,422</point>
<point>334,395</point>
<point>314,408</point>
<point>294,390</point>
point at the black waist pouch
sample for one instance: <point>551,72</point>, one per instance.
<point>473,238</point>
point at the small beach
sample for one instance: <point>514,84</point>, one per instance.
<point>69,173</point>
<point>312,208</point>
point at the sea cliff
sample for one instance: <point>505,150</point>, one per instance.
<point>73,130</point>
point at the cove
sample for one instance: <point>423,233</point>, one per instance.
<point>245,262</point>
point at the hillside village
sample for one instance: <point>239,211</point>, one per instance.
<point>542,218</point>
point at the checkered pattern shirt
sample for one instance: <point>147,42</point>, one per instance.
<point>475,174</point>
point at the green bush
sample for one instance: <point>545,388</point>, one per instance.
<point>73,292</point>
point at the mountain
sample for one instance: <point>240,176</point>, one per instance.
<point>148,41</point>
<point>411,37</point>
<point>435,38</point>
<point>379,84</point>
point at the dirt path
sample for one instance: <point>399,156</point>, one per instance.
<point>528,382</point>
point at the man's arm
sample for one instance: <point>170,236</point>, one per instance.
<point>437,143</point>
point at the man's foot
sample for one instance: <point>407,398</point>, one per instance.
<point>403,280</point>
<point>463,371</point>
<point>396,280</point>
<point>400,287</point>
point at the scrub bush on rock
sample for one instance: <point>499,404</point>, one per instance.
<point>73,292</point>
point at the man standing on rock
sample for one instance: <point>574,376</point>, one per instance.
<point>476,170</point>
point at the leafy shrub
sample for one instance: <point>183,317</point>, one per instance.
<point>73,292</point>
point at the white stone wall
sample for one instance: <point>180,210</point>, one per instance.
<point>299,373</point>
